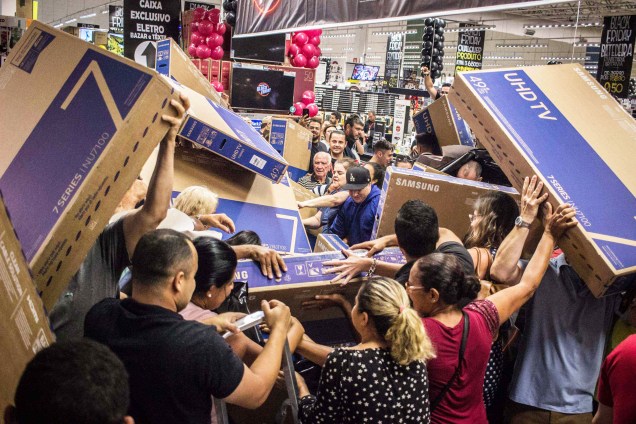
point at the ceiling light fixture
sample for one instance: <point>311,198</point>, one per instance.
<point>410,31</point>
<point>471,28</point>
<point>345,35</point>
<point>587,45</point>
<point>522,46</point>
<point>70,21</point>
<point>589,24</point>
<point>503,57</point>
<point>565,58</point>
<point>88,16</point>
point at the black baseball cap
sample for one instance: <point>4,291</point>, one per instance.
<point>358,177</point>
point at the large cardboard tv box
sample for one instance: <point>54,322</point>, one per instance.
<point>306,277</point>
<point>441,119</point>
<point>452,198</point>
<point>78,123</point>
<point>228,135</point>
<point>23,324</point>
<point>559,123</point>
<point>253,202</point>
<point>174,63</point>
<point>293,142</point>
<point>329,243</point>
<point>302,194</point>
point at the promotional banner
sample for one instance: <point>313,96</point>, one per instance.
<point>276,16</point>
<point>617,54</point>
<point>470,50</point>
<point>191,5</point>
<point>394,46</point>
<point>399,122</point>
<point>116,19</point>
<point>146,22</point>
<point>83,25</point>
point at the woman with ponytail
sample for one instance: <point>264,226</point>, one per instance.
<point>382,379</point>
<point>462,329</point>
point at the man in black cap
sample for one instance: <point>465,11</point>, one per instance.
<point>354,221</point>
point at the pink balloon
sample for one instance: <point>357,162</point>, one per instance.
<point>315,40</point>
<point>221,28</point>
<point>313,62</point>
<point>194,26</point>
<point>203,51</point>
<point>213,15</point>
<point>309,96</point>
<point>192,50</point>
<point>214,40</point>
<point>206,28</point>
<point>318,32</point>
<point>313,109</point>
<point>318,51</point>
<point>217,53</point>
<point>309,50</point>
<point>217,86</point>
<point>196,38</point>
<point>313,33</point>
<point>300,38</point>
<point>294,49</point>
<point>300,60</point>
<point>299,106</point>
<point>199,13</point>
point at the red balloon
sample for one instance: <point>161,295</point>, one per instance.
<point>311,32</point>
<point>206,28</point>
<point>315,40</point>
<point>299,60</point>
<point>214,40</point>
<point>203,51</point>
<point>318,52</point>
<point>309,50</point>
<point>318,32</point>
<point>221,28</point>
<point>299,106</point>
<point>192,50</point>
<point>309,96</point>
<point>300,38</point>
<point>294,49</point>
<point>217,86</point>
<point>217,53</point>
<point>213,15</point>
<point>313,62</point>
<point>196,38</point>
<point>194,26</point>
<point>313,109</point>
<point>199,13</point>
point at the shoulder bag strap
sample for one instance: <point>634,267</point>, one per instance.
<point>462,349</point>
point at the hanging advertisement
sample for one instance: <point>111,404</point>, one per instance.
<point>191,5</point>
<point>394,46</point>
<point>145,23</point>
<point>400,115</point>
<point>258,17</point>
<point>470,50</point>
<point>617,54</point>
<point>116,19</point>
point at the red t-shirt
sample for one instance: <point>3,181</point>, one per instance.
<point>616,385</point>
<point>463,402</point>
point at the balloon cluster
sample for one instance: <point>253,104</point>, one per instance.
<point>206,36</point>
<point>229,7</point>
<point>632,87</point>
<point>433,46</point>
<point>304,49</point>
<point>309,97</point>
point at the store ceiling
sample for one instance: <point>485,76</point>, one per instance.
<point>588,10</point>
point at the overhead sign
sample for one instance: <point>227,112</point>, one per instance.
<point>191,5</point>
<point>394,46</point>
<point>83,25</point>
<point>470,50</point>
<point>617,54</point>
<point>146,22</point>
<point>116,19</point>
<point>258,17</point>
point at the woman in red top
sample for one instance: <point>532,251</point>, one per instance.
<point>440,292</point>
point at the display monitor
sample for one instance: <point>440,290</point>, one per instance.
<point>265,48</point>
<point>262,89</point>
<point>365,72</point>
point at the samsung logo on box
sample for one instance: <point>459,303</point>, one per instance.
<point>419,185</point>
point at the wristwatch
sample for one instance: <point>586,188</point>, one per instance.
<point>519,222</point>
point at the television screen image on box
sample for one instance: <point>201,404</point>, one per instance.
<point>262,89</point>
<point>266,48</point>
<point>365,72</point>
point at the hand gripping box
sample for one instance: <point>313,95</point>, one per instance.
<point>301,194</point>
<point>228,135</point>
<point>78,123</point>
<point>23,324</point>
<point>292,141</point>
<point>253,202</point>
<point>441,119</point>
<point>559,123</point>
<point>305,278</point>
<point>173,62</point>
<point>452,198</point>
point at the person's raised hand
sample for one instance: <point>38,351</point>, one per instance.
<point>531,198</point>
<point>277,315</point>
<point>560,221</point>
<point>181,106</point>
<point>220,221</point>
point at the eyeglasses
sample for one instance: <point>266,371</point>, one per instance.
<point>409,286</point>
